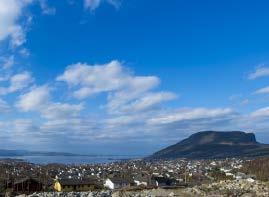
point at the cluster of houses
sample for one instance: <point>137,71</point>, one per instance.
<point>30,185</point>
<point>22,177</point>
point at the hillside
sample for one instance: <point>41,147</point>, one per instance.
<point>213,144</point>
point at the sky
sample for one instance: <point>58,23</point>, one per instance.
<point>130,76</point>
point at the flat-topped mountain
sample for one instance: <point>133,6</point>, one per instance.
<point>214,144</point>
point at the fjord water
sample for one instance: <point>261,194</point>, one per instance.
<point>73,159</point>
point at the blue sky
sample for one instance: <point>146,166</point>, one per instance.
<point>130,76</point>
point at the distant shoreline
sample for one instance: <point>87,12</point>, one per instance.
<point>62,159</point>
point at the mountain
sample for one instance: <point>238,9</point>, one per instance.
<point>214,144</point>
<point>14,153</point>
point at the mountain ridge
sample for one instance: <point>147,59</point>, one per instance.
<point>214,144</point>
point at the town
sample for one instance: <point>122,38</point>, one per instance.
<point>196,177</point>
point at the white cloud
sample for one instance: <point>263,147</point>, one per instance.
<point>10,11</point>
<point>20,81</point>
<point>47,9</point>
<point>24,52</point>
<point>264,90</point>
<point>190,114</point>
<point>8,62</point>
<point>126,92</point>
<point>169,124</point>
<point>34,100</point>
<point>94,79</point>
<point>94,4</point>
<point>115,3</point>
<point>17,82</point>
<point>4,107</point>
<point>261,113</point>
<point>11,15</point>
<point>148,101</point>
<point>137,88</point>
<point>20,131</point>
<point>38,100</point>
<point>260,72</point>
<point>23,126</point>
<point>97,78</point>
<point>61,111</point>
<point>18,37</point>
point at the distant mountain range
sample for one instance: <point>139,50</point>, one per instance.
<point>214,144</point>
<point>14,153</point>
<point>20,153</point>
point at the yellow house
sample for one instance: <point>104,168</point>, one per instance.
<point>57,186</point>
<point>69,185</point>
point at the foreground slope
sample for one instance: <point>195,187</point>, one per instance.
<point>213,144</point>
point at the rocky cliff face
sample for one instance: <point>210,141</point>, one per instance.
<point>213,144</point>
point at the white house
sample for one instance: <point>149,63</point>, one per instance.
<point>116,183</point>
<point>138,183</point>
<point>109,184</point>
<point>141,181</point>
